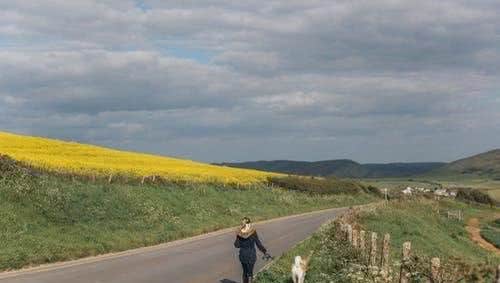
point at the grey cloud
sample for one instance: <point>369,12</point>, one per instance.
<point>93,82</point>
<point>370,80</point>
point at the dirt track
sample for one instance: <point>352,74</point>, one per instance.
<point>473,227</point>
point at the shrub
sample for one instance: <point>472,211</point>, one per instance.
<point>319,185</point>
<point>473,195</point>
<point>373,190</point>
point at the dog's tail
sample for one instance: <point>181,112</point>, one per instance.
<point>307,260</point>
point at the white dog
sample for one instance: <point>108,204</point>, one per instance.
<point>299,269</point>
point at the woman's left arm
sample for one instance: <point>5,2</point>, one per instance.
<point>259,244</point>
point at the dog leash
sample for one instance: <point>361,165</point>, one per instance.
<point>267,257</point>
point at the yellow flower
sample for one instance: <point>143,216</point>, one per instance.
<point>82,159</point>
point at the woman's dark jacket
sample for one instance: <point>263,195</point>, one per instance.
<point>246,244</point>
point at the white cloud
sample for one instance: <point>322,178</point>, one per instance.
<point>311,74</point>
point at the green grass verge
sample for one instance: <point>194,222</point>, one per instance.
<point>423,222</point>
<point>491,235</point>
<point>332,260</point>
<point>48,219</point>
<point>431,234</point>
<point>491,232</point>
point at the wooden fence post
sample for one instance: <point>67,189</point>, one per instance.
<point>154,178</point>
<point>110,179</point>
<point>349,233</point>
<point>497,278</point>
<point>373,250</point>
<point>404,276</point>
<point>435,265</point>
<point>344,232</point>
<point>355,236</point>
<point>362,244</point>
<point>143,180</point>
<point>384,259</point>
<point>338,230</point>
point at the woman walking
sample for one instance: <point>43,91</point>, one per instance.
<point>246,240</point>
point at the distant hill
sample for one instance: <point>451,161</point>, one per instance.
<point>341,168</point>
<point>487,163</point>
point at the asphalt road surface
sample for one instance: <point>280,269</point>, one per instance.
<point>203,259</point>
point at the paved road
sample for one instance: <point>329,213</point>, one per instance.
<point>203,259</point>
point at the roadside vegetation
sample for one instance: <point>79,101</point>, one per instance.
<point>331,261</point>
<point>422,222</point>
<point>426,225</point>
<point>47,218</point>
<point>331,185</point>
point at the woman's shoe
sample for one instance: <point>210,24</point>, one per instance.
<point>250,279</point>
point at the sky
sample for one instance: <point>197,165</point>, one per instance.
<point>224,80</point>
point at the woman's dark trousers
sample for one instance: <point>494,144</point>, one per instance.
<point>247,270</point>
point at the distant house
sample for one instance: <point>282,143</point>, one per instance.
<point>441,192</point>
<point>407,191</point>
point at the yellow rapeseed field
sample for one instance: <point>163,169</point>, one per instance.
<point>82,159</point>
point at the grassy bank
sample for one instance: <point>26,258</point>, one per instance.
<point>47,219</point>
<point>431,234</point>
<point>331,262</point>
<point>491,232</point>
<point>424,223</point>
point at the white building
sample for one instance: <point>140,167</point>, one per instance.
<point>441,192</point>
<point>407,191</point>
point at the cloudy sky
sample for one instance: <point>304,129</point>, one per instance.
<point>224,80</point>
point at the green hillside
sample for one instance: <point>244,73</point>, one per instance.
<point>485,164</point>
<point>341,168</point>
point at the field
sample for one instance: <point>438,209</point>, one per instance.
<point>425,224</point>
<point>47,218</point>
<point>81,159</point>
<point>485,184</point>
